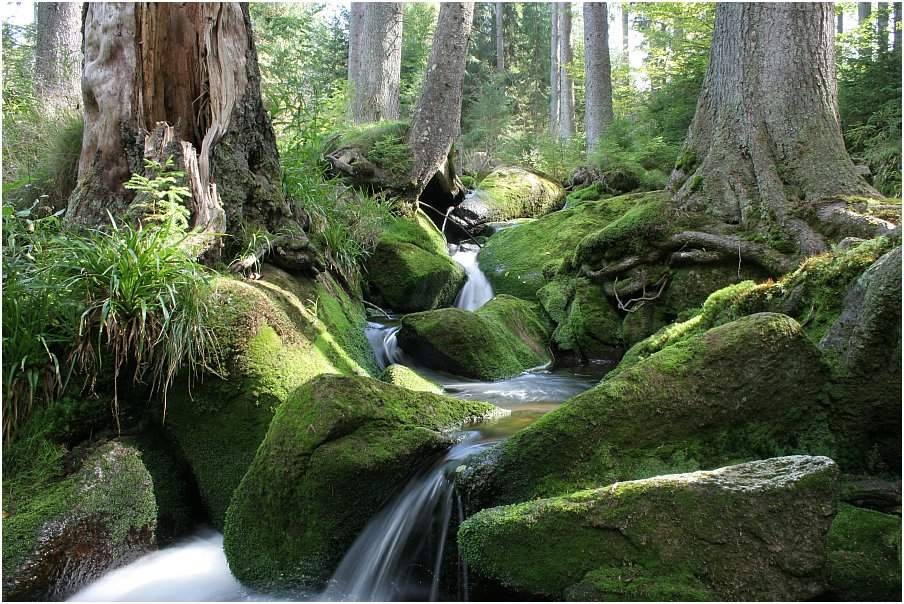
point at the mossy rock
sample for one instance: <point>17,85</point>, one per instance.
<point>754,531</point>
<point>522,260</point>
<point>745,390</point>
<point>507,193</point>
<point>864,556</point>
<point>410,269</point>
<point>399,375</point>
<point>587,324</point>
<point>275,335</point>
<point>503,338</point>
<point>335,453</point>
<point>72,530</point>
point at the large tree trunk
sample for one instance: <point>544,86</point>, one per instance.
<point>896,26</point>
<point>566,84</point>
<point>58,55</point>
<point>355,40</point>
<point>864,10</point>
<point>380,63</point>
<point>626,25</point>
<point>766,140</point>
<point>554,93</point>
<point>437,117</point>
<point>193,66</point>
<point>882,26</point>
<point>500,39</point>
<point>597,71</point>
<point>839,28</point>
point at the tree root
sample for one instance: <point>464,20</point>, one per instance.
<point>731,246</point>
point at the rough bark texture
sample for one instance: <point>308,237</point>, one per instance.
<point>355,40</point>
<point>193,66</point>
<point>554,70</point>
<point>766,135</point>
<point>437,117</point>
<point>58,54</point>
<point>500,39</point>
<point>380,63</point>
<point>566,85</point>
<point>597,71</point>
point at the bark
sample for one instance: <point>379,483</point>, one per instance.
<point>500,39</point>
<point>882,26</point>
<point>597,71</point>
<point>355,40</point>
<point>58,55</point>
<point>554,71</point>
<point>766,138</point>
<point>626,25</point>
<point>566,85</point>
<point>864,9</point>
<point>896,26</point>
<point>839,28</point>
<point>380,63</point>
<point>191,65</point>
<point>437,117</point>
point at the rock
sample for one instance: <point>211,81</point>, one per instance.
<point>586,322</point>
<point>275,334</point>
<point>78,528</point>
<point>336,452</point>
<point>410,269</point>
<point>584,176</point>
<point>744,390</point>
<point>503,338</point>
<point>864,556</point>
<point>399,375</point>
<point>507,193</point>
<point>754,531</point>
<point>520,261</point>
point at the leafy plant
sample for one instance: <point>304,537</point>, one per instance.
<point>160,198</point>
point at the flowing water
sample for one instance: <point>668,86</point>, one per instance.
<point>403,553</point>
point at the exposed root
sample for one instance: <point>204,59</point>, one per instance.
<point>635,304</point>
<point>731,246</point>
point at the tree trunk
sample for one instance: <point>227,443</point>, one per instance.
<point>193,66</point>
<point>380,67</point>
<point>864,9</point>
<point>896,26</point>
<point>839,28</point>
<point>500,39</point>
<point>554,93</point>
<point>597,71</point>
<point>355,40</point>
<point>626,25</point>
<point>765,138</point>
<point>566,85</point>
<point>58,55</point>
<point>882,26</point>
<point>437,117</point>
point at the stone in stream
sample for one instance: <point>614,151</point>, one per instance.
<point>400,375</point>
<point>503,338</point>
<point>337,450</point>
<point>507,193</point>
<point>410,270</point>
<point>754,531</point>
<point>76,529</point>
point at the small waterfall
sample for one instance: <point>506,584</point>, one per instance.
<point>400,555</point>
<point>383,342</point>
<point>477,290</point>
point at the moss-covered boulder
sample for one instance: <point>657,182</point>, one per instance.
<point>275,334</point>
<point>507,193</point>
<point>399,375</point>
<point>587,324</point>
<point>503,338</point>
<point>410,269</point>
<point>745,390</point>
<point>864,556</point>
<point>335,453</point>
<point>754,531</point>
<point>521,260</point>
<point>70,531</point>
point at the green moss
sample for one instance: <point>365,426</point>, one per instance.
<point>687,162</point>
<point>634,584</point>
<point>864,555</point>
<point>467,181</point>
<point>507,193</point>
<point>399,375</point>
<point>592,192</point>
<point>366,136</point>
<point>586,323</point>
<point>335,452</point>
<point>503,338</point>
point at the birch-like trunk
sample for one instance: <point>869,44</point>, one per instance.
<point>380,63</point>
<point>566,84</point>
<point>554,92</point>
<point>58,55</point>
<point>597,72</point>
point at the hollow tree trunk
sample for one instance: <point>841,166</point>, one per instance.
<point>500,40</point>
<point>554,71</point>
<point>437,117</point>
<point>58,55</point>
<point>566,85</point>
<point>193,66</point>
<point>380,63</point>
<point>597,71</point>
<point>765,139</point>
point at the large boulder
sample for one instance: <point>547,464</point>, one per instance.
<point>507,193</point>
<point>400,375</point>
<point>864,555</point>
<point>274,334</point>
<point>587,324</point>
<point>410,270</point>
<point>503,338</point>
<point>70,531</point>
<point>335,453</point>
<point>745,390</point>
<point>754,531</point>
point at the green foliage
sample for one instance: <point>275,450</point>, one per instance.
<point>160,198</point>
<point>635,148</point>
<point>417,38</point>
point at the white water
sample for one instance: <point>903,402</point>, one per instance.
<point>477,290</point>
<point>383,342</point>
